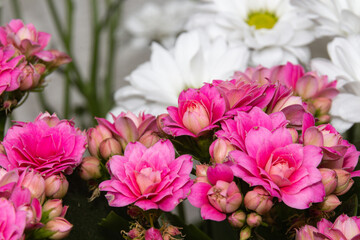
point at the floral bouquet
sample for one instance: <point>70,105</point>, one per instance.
<point>205,148</point>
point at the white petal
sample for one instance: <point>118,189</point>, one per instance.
<point>347,107</point>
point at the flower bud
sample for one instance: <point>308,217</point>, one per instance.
<point>54,208</point>
<point>237,219</point>
<point>134,234</point>
<point>344,182</point>
<point>201,173</point>
<point>253,219</point>
<point>29,78</point>
<point>258,200</point>
<point>219,150</point>
<point>329,180</point>
<point>306,233</point>
<point>109,147</point>
<point>90,168</point>
<point>294,134</point>
<point>170,232</point>
<point>196,117</point>
<point>153,234</point>
<point>245,233</point>
<point>225,197</point>
<point>33,214</point>
<point>322,105</point>
<point>330,203</point>
<point>286,102</point>
<point>60,226</point>
<point>35,183</point>
<point>149,138</point>
<point>95,137</point>
<point>56,186</point>
<point>51,120</point>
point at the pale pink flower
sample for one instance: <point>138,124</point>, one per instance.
<point>218,196</point>
<point>198,111</point>
<point>127,127</point>
<point>235,130</point>
<point>12,221</point>
<point>59,226</point>
<point>151,178</point>
<point>47,149</point>
<point>286,170</point>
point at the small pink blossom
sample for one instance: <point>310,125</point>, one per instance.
<point>10,69</point>
<point>151,178</point>
<point>128,127</point>
<point>198,111</point>
<point>286,170</point>
<point>12,221</point>
<point>47,149</point>
<point>217,197</point>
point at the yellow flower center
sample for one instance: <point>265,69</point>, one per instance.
<point>262,20</point>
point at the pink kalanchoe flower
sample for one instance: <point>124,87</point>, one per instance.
<point>235,130</point>
<point>10,69</point>
<point>199,111</point>
<point>344,228</point>
<point>338,153</point>
<point>151,178</point>
<point>217,197</point>
<point>242,93</point>
<point>26,38</point>
<point>12,221</point>
<point>128,127</point>
<point>286,170</point>
<point>47,145</point>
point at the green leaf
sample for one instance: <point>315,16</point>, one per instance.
<point>350,206</point>
<point>114,222</point>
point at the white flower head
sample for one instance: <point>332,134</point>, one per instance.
<point>195,59</point>
<point>274,30</point>
<point>345,67</point>
<point>333,17</point>
<point>159,22</point>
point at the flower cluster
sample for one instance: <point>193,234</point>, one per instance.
<point>23,61</point>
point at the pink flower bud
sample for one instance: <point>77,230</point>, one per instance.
<point>237,219</point>
<point>344,182</point>
<point>253,219</point>
<point>109,147</point>
<point>90,168</point>
<point>294,134</point>
<point>160,123</point>
<point>330,203</point>
<point>225,197</point>
<point>95,137</point>
<point>201,175</point>
<point>149,138</point>
<point>286,102</point>
<point>219,150</point>
<point>40,68</point>
<point>56,186</point>
<point>170,232</point>
<point>306,233</point>
<point>245,233</point>
<point>51,120</point>
<point>134,233</point>
<point>153,234</point>
<point>29,78</point>
<point>329,180</point>
<point>33,214</point>
<point>35,183</point>
<point>322,105</point>
<point>54,208</point>
<point>258,200</point>
<point>60,226</point>
<point>195,117</point>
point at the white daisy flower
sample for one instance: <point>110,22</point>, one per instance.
<point>274,30</point>
<point>333,17</point>
<point>345,67</point>
<point>195,59</point>
<point>159,22</point>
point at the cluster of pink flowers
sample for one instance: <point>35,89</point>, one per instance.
<point>34,158</point>
<point>23,61</point>
<point>266,129</point>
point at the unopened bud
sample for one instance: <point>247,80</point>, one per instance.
<point>330,203</point>
<point>258,200</point>
<point>253,220</point>
<point>90,168</point>
<point>60,226</point>
<point>219,150</point>
<point>109,147</point>
<point>149,138</point>
<point>54,208</point>
<point>245,233</point>
<point>237,219</point>
<point>344,182</point>
<point>329,180</point>
<point>56,186</point>
<point>95,137</point>
<point>35,183</point>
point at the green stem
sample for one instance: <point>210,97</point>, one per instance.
<point>16,8</point>
<point>2,124</point>
<point>181,211</point>
<point>108,93</point>
<point>94,59</point>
